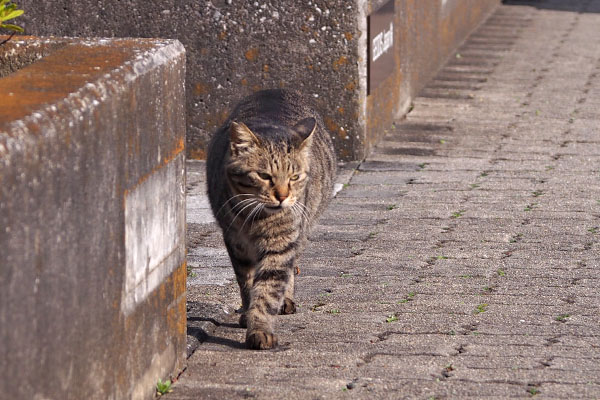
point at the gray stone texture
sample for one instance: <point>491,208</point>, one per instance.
<point>461,259</point>
<point>88,135</point>
<point>318,47</point>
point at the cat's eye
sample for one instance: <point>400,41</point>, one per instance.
<point>294,177</point>
<point>264,176</point>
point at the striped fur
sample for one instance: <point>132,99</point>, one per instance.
<point>270,172</point>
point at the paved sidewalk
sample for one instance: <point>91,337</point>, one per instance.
<point>463,257</point>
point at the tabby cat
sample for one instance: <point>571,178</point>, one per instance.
<point>270,173</point>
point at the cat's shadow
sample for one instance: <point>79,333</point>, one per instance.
<point>203,337</point>
<point>234,344</point>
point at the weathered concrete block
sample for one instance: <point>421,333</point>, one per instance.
<point>92,218</point>
<point>319,47</point>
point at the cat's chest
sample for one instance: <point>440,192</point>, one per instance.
<point>265,234</point>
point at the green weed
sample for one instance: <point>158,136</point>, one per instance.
<point>8,10</point>
<point>458,214</point>
<point>163,387</point>
<point>480,308</point>
<point>533,391</point>
<point>190,272</point>
<point>562,317</point>
<point>516,238</point>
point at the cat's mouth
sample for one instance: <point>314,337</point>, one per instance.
<point>275,207</point>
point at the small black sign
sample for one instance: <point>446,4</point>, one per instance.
<point>380,48</point>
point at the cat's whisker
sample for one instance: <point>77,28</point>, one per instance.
<point>261,207</point>
<point>241,204</point>
<point>231,199</point>
<point>298,213</point>
<point>303,210</point>
<point>294,211</point>
<point>239,212</point>
<point>250,215</point>
<point>300,204</point>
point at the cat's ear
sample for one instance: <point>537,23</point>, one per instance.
<point>241,138</point>
<point>305,129</point>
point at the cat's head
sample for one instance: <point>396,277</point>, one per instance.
<point>272,166</point>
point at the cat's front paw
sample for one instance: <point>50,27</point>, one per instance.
<point>243,321</point>
<point>288,307</point>
<point>260,340</point>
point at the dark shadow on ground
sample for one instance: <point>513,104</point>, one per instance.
<point>580,6</point>
<point>225,342</point>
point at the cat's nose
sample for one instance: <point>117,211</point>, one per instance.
<point>281,196</point>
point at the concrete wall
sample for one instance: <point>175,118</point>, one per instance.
<point>318,47</point>
<point>92,219</point>
<point>426,33</point>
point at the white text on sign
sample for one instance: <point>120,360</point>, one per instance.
<point>383,42</point>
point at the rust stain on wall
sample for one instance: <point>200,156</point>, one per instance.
<point>333,127</point>
<point>251,54</point>
<point>72,66</point>
<point>339,62</point>
<point>170,156</point>
<point>176,316</point>
<point>201,88</point>
<point>197,154</point>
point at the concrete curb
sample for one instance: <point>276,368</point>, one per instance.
<point>92,218</point>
